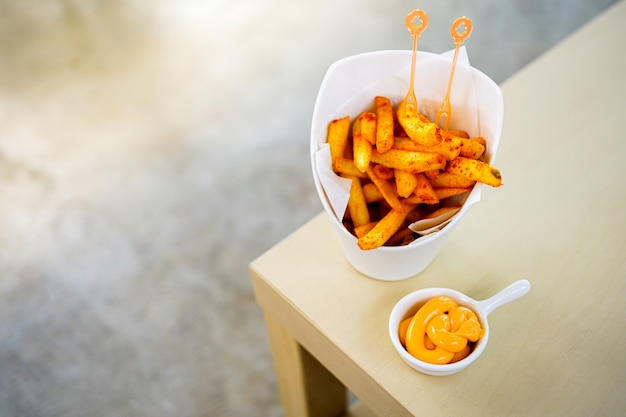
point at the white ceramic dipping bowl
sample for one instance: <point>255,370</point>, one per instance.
<point>409,304</point>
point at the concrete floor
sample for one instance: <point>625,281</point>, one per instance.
<point>149,150</point>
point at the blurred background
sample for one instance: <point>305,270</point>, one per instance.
<point>149,150</point>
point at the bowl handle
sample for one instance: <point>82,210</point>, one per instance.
<point>510,293</point>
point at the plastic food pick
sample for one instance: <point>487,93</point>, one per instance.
<point>416,31</point>
<point>421,131</point>
<point>460,30</point>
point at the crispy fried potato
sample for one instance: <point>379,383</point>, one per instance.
<point>361,145</point>
<point>372,193</point>
<point>368,127</point>
<point>361,231</point>
<point>414,199</point>
<point>424,190</point>
<point>471,149</point>
<point>431,173</point>
<point>448,180</point>
<point>442,193</point>
<point>409,161</point>
<point>346,166</point>
<point>405,182</point>
<point>421,131</point>
<point>401,166</point>
<point>387,189</point>
<point>383,172</point>
<point>357,206</point>
<point>459,133</point>
<point>475,170</point>
<point>449,147</point>
<point>480,140</point>
<point>385,228</point>
<point>337,137</point>
<point>384,124</point>
<point>362,154</point>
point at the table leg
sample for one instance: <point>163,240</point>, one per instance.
<point>307,388</point>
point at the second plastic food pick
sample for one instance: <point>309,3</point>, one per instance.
<point>460,30</point>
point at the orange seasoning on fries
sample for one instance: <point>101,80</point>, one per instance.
<point>394,186</point>
<point>403,166</point>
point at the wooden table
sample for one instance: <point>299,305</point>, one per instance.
<point>558,221</point>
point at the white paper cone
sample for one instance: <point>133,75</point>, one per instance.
<point>349,88</point>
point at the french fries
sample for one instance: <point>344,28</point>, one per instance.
<point>403,168</point>
<point>425,191</point>
<point>363,137</point>
<point>472,148</point>
<point>338,133</point>
<point>445,179</point>
<point>346,166</point>
<point>385,228</point>
<point>372,193</point>
<point>409,161</point>
<point>449,147</point>
<point>359,213</point>
<point>384,172</point>
<point>384,124</point>
<point>405,182</point>
<point>387,189</point>
<point>446,192</point>
<point>475,170</point>
<point>424,132</point>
